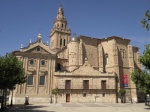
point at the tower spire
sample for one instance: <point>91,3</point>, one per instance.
<point>60,14</point>
<point>60,34</point>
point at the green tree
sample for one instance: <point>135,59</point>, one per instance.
<point>11,73</point>
<point>55,92</point>
<point>122,93</point>
<point>145,59</point>
<point>146,20</point>
<point>142,78</point>
<point>142,81</point>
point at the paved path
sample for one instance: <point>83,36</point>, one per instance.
<point>81,107</point>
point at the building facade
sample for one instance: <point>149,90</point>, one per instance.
<point>79,69</point>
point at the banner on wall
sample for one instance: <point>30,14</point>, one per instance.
<point>125,80</point>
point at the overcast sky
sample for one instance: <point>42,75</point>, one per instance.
<point>22,20</point>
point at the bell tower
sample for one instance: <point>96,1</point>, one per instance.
<point>60,33</point>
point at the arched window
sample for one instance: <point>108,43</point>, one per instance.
<point>60,42</point>
<point>64,42</point>
<point>58,67</point>
<point>62,25</point>
<point>106,59</point>
<point>122,51</point>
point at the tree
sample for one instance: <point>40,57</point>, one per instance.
<point>55,92</point>
<point>146,20</point>
<point>11,73</point>
<point>142,81</point>
<point>122,93</point>
<point>145,59</point>
<point>142,78</point>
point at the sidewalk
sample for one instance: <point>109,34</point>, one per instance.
<point>80,107</point>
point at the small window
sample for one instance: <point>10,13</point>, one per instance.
<point>68,84</point>
<point>43,62</point>
<point>42,80</point>
<point>106,59</point>
<point>85,84</point>
<point>103,84</point>
<point>58,68</point>
<point>38,49</point>
<point>60,42</point>
<point>64,42</point>
<point>123,53</point>
<point>30,80</point>
<point>31,62</point>
<point>62,25</point>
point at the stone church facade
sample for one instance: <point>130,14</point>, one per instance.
<point>80,69</point>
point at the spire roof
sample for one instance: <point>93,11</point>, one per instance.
<point>60,10</point>
<point>60,14</point>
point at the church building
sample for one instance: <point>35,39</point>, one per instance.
<point>77,69</point>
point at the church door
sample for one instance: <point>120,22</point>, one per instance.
<point>67,97</point>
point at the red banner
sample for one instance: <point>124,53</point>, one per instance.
<point>125,80</point>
